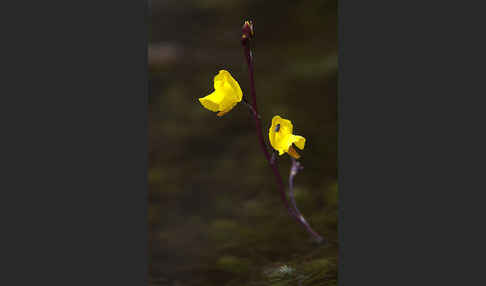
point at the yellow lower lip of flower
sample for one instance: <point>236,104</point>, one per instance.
<point>209,104</point>
<point>282,139</point>
<point>227,93</point>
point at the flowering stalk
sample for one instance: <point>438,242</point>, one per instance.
<point>247,34</point>
<point>245,42</point>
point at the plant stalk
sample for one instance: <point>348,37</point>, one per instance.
<point>245,42</point>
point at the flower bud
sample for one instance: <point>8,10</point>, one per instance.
<point>247,31</point>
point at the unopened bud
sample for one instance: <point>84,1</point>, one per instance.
<point>247,30</point>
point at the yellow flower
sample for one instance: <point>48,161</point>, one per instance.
<point>281,137</point>
<point>227,93</point>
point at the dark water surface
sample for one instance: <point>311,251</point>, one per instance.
<point>215,213</point>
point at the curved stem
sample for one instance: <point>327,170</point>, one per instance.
<point>258,126</point>
<point>296,167</point>
<point>293,211</point>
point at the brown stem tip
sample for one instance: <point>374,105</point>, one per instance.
<point>247,31</point>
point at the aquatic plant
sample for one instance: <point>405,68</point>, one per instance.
<point>228,94</point>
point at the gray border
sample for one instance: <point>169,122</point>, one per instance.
<point>407,130</point>
<point>74,185</point>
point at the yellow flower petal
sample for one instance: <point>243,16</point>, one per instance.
<point>299,141</point>
<point>281,137</point>
<point>224,81</point>
<point>226,95</point>
<point>212,101</point>
<point>226,109</point>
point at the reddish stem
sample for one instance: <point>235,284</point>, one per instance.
<point>245,42</point>
<point>258,125</point>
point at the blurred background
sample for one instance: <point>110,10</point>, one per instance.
<point>215,213</point>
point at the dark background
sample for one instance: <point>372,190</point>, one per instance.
<point>215,213</point>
